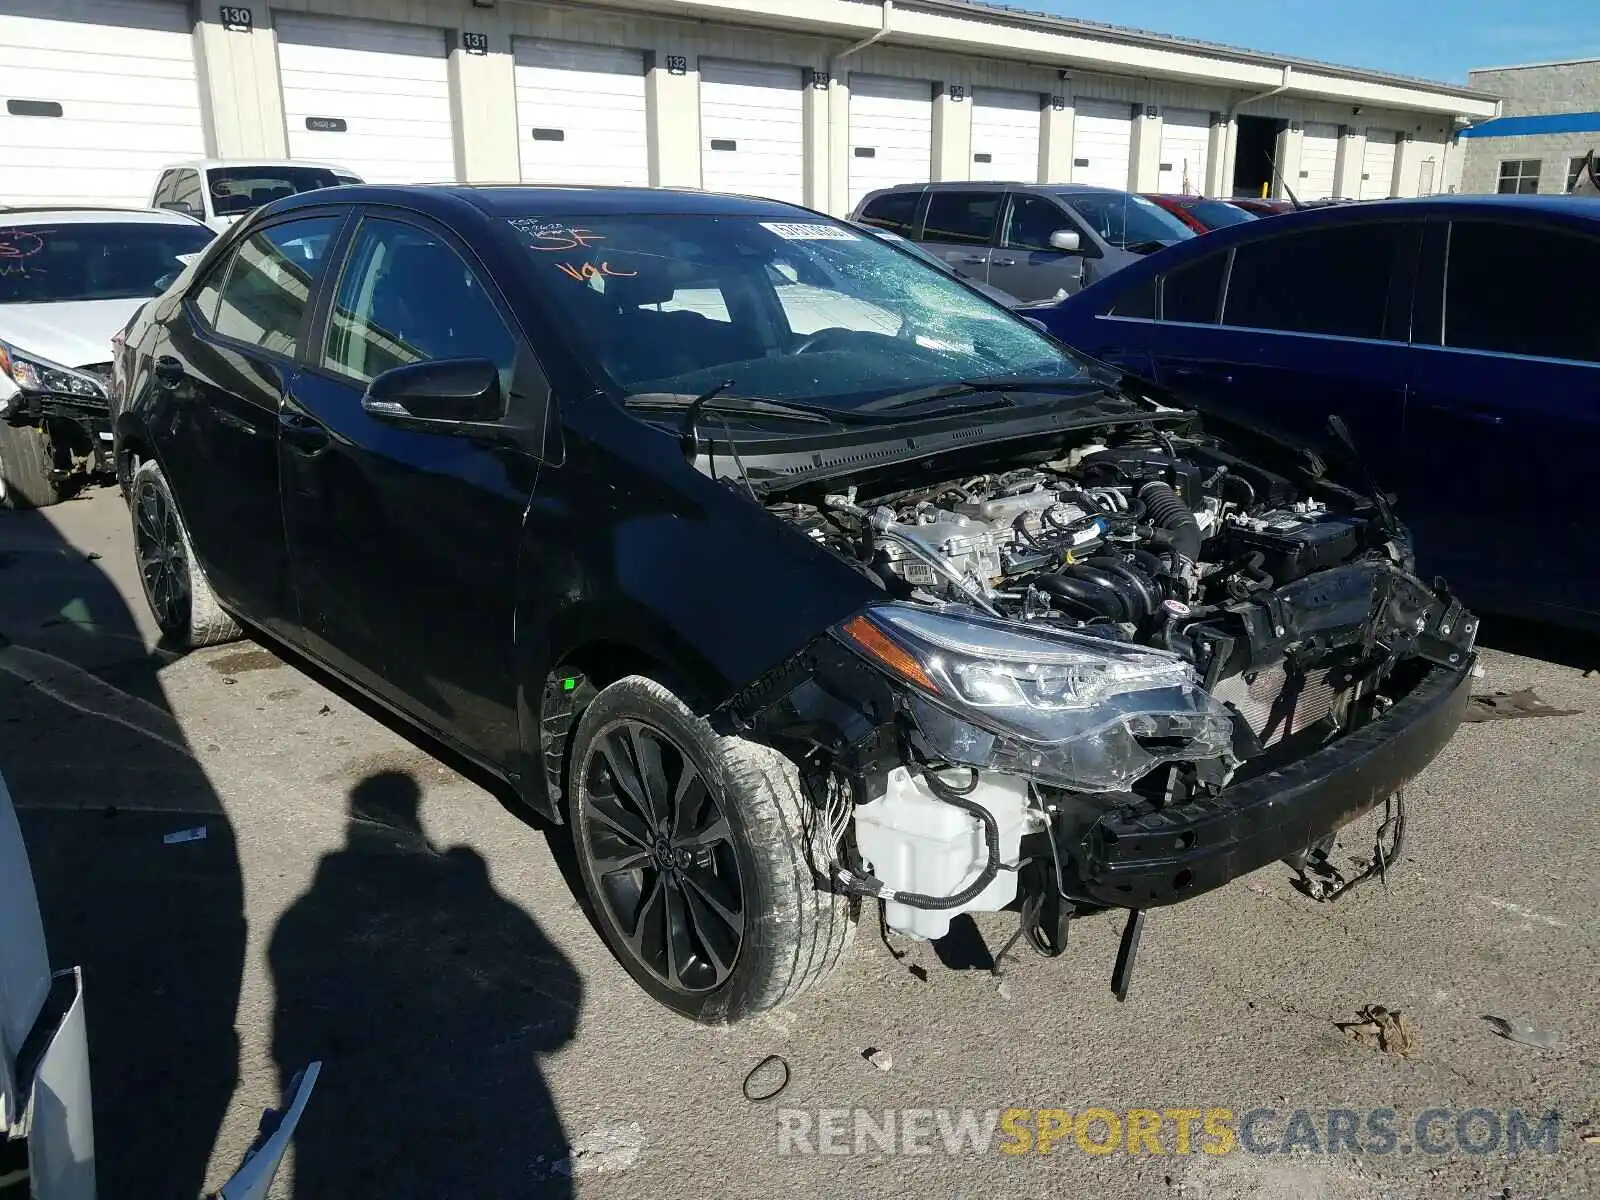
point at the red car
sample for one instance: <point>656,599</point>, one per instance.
<point>1262,208</point>
<point>1202,213</point>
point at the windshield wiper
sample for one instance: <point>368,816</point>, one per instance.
<point>994,387</point>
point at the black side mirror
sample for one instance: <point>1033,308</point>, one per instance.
<point>444,390</point>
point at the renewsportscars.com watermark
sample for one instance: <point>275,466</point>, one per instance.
<point>1177,1131</point>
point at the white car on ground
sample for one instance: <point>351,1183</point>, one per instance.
<point>220,191</point>
<point>70,280</point>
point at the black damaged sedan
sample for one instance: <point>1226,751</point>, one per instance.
<point>785,569</point>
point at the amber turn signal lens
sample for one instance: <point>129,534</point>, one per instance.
<point>881,648</point>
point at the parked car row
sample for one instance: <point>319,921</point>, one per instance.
<point>72,278</point>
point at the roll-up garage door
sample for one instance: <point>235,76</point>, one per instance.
<point>1102,142</point>
<point>752,130</point>
<point>1377,165</point>
<point>1319,160</point>
<point>581,114</point>
<point>891,133</point>
<point>373,96</point>
<point>1185,143</point>
<point>98,95</point>
<point>1005,135</point>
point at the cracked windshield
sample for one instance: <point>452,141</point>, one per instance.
<point>803,310</point>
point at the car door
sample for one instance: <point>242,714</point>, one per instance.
<point>1504,413</point>
<point>404,533</point>
<point>1310,323</point>
<point>223,362</point>
<point>959,227</point>
<point>1025,264</point>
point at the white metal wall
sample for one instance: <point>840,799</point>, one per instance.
<point>1102,142</point>
<point>752,129</point>
<point>1319,161</point>
<point>1005,135</point>
<point>248,112</point>
<point>1377,164</point>
<point>100,95</point>
<point>581,113</point>
<point>373,96</point>
<point>891,132</point>
<point>1185,146</point>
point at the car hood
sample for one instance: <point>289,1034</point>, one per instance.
<point>74,334</point>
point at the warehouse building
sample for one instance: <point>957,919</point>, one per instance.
<point>1549,122</point>
<point>815,101</point>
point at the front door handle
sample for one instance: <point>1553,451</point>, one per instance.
<point>168,371</point>
<point>302,434</point>
<point>969,258</point>
<point>1207,374</point>
<point>1475,415</point>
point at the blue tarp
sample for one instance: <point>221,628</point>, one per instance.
<point>1585,122</point>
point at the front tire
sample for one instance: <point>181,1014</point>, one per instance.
<point>27,468</point>
<point>175,585</point>
<point>694,852</point>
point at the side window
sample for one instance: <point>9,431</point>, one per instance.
<point>1490,302</point>
<point>186,193</point>
<point>1326,281</point>
<point>1137,301</point>
<point>407,297</point>
<point>1031,220</point>
<point>894,211</point>
<point>966,218</point>
<point>269,283</point>
<point>1191,293</point>
<point>163,192</point>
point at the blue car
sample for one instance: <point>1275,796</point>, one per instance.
<point>1458,337</point>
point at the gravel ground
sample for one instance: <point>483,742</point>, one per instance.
<point>359,900</point>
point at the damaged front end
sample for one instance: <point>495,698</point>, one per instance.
<point>989,739</point>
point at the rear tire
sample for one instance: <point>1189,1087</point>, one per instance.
<point>175,587</point>
<point>741,833</point>
<point>27,463</point>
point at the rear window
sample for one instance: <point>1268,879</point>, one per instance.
<point>894,211</point>
<point>238,190</point>
<point>1218,214</point>
<point>965,218</point>
<point>1486,309</point>
<point>1325,281</point>
<point>53,264</point>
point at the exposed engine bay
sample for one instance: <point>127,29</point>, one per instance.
<point>1119,637</point>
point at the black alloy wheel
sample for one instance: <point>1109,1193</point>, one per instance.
<point>163,562</point>
<point>661,850</point>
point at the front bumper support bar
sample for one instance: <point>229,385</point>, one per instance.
<point>1137,857</point>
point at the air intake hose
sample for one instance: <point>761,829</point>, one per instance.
<point>1168,512</point>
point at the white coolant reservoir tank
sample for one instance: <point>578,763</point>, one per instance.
<point>912,841</point>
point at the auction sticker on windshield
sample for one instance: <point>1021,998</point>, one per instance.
<point>801,232</point>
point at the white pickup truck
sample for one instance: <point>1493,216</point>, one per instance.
<point>220,191</point>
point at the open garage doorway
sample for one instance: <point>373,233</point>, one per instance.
<point>1255,159</point>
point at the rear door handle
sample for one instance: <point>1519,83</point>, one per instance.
<point>1476,415</point>
<point>1209,374</point>
<point>303,434</point>
<point>1002,262</point>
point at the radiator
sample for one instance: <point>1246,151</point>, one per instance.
<point>1275,706</point>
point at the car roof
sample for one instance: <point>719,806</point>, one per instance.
<point>988,185</point>
<point>86,215</point>
<point>205,164</point>
<point>521,200</point>
<point>1575,209</point>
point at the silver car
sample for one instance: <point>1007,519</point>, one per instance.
<point>1033,241</point>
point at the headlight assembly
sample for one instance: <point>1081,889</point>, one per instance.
<point>1064,708</point>
<point>32,373</point>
